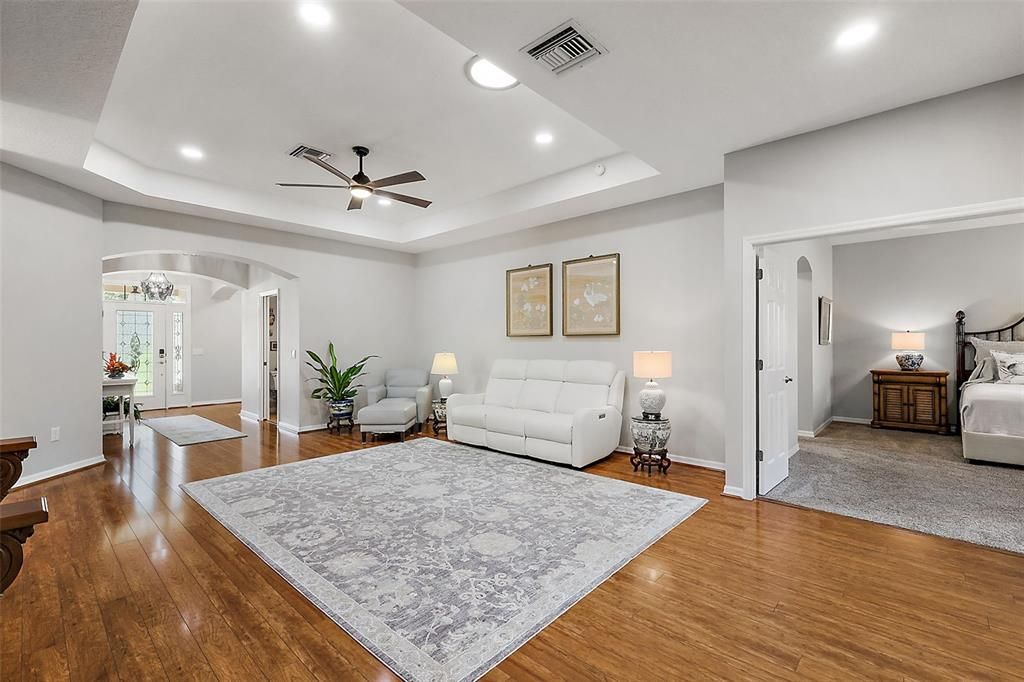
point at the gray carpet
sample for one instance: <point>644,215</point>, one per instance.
<point>191,429</point>
<point>439,558</point>
<point>911,480</point>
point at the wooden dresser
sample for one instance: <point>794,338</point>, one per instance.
<point>910,400</point>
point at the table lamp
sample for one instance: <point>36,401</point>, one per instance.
<point>905,343</point>
<point>652,364</point>
<point>444,364</point>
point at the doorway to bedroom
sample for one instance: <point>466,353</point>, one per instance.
<point>843,428</point>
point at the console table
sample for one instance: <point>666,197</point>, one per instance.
<point>122,388</point>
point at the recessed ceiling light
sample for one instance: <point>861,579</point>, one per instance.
<point>481,72</point>
<point>191,152</point>
<point>315,14</point>
<point>856,35</point>
<point>384,202</point>
<point>543,138</point>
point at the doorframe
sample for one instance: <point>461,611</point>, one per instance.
<point>750,395</point>
<point>264,412</point>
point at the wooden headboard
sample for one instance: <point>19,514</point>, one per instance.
<point>1011,332</point>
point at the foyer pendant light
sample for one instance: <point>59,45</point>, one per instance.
<point>156,287</point>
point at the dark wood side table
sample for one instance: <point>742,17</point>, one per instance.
<point>440,409</point>
<point>650,443</point>
<point>915,400</point>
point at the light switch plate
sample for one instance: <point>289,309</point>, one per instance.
<point>54,434</point>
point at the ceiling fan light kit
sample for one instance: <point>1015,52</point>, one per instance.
<point>360,186</point>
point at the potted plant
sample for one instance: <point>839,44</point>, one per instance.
<point>336,386</point>
<point>114,368</point>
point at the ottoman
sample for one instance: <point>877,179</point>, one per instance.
<point>390,415</point>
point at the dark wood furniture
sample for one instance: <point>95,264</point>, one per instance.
<point>18,519</point>
<point>440,415</point>
<point>916,400</point>
<point>965,350</point>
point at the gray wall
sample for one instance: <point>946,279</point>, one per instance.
<point>671,252</point>
<point>919,283</point>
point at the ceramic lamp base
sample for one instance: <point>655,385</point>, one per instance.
<point>444,387</point>
<point>652,400</point>
<point>909,362</point>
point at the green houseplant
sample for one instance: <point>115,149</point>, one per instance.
<point>337,387</point>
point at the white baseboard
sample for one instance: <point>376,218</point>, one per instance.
<point>58,471</point>
<point>733,491</point>
<point>682,459</point>
<point>288,428</point>
<point>814,434</point>
<point>249,416</point>
<point>225,401</point>
<point>852,420</point>
<point>312,427</point>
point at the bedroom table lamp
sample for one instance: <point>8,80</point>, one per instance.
<point>651,365</point>
<point>906,343</point>
<point>444,364</point>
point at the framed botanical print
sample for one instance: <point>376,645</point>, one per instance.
<point>590,296</point>
<point>528,301</point>
<point>824,321</point>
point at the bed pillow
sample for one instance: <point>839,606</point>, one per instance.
<point>1009,365</point>
<point>983,347</point>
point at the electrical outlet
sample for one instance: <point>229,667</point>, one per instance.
<point>54,434</point>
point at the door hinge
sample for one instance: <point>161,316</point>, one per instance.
<point>760,365</point>
<point>760,455</point>
<point>760,273</point>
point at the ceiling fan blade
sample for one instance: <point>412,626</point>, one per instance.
<point>400,179</point>
<point>405,198</point>
<point>355,202</point>
<point>328,167</point>
<point>303,184</point>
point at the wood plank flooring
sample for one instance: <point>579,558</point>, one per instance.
<point>131,580</point>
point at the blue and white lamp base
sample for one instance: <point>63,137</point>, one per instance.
<point>909,362</point>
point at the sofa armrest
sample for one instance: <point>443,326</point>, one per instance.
<point>374,394</point>
<point>595,434</point>
<point>423,406</point>
<point>460,399</point>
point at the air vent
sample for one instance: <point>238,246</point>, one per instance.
<point>564,47</point>
<point>303,150</point>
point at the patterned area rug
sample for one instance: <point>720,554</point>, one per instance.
<point>918,481</point>
<point>440,559</point>
<point>190,429</point>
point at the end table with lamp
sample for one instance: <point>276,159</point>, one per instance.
<point>444,364</point>
<point>651,431</point>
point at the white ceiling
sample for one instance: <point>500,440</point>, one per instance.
<point>682,85</point>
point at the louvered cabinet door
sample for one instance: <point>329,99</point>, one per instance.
<point>924,405</point>
<point>910,400</point>
<point>893,403</point>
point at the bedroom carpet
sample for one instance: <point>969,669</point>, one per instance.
<point>911,480</point>
<point>191,429</point>
<point>440,559</point>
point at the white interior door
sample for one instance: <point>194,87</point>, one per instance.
<point>773,435</point>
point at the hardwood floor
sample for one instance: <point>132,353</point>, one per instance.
<point>132,580</point>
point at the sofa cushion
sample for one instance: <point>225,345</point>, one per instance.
<point>548,370</point>
<point>390,411</point>
<point>554,427</point>
<point>509,369</point>
<point>503,392</point>
<point>548,450</point>
<point>506,443</point>
<point>578,396</point>
<point>590,372</point>
<point>505,420</point>
<point>539,394</point>
<point>468,415</point>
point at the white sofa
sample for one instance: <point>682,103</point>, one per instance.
<point>564,411</point>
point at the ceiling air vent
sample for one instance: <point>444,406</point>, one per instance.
<point>303,150</point>
<point>564,47</point>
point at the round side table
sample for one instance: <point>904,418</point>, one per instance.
<point>440,407</point>
<point>650,443</point>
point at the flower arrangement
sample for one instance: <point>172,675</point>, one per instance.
<point>115,368</point>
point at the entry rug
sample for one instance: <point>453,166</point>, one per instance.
<point>191,429</point>
<point>440,559</point>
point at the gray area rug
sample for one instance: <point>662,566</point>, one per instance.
<point>911,480</point>
<point>441,559</point>
<point>190,429</point>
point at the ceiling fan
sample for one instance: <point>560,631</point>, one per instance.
<point>359,185</point>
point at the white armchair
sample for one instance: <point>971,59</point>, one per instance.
<point>400,403</point>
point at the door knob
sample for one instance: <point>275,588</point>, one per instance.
<point>789,380</point>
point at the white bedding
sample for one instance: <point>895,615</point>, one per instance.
<point>994,408</point>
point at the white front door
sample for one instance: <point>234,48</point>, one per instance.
<point>773,407</point>
<point>154,338</point>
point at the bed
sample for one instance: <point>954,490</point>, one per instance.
<point>991,410</point>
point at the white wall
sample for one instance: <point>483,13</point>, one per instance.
<point>671,300</point>
<point>50,324</point>
<point>361,298</point>
<point>919,283</point>
<point>965,148</point>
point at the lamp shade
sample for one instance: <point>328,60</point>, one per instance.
<point>444,363</point>
<point>908,340</point>
<point>652,364</point>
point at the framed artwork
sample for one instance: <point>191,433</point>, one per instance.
<point>590,296</point>
<point>528,301</point>
<point>824,321</point>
